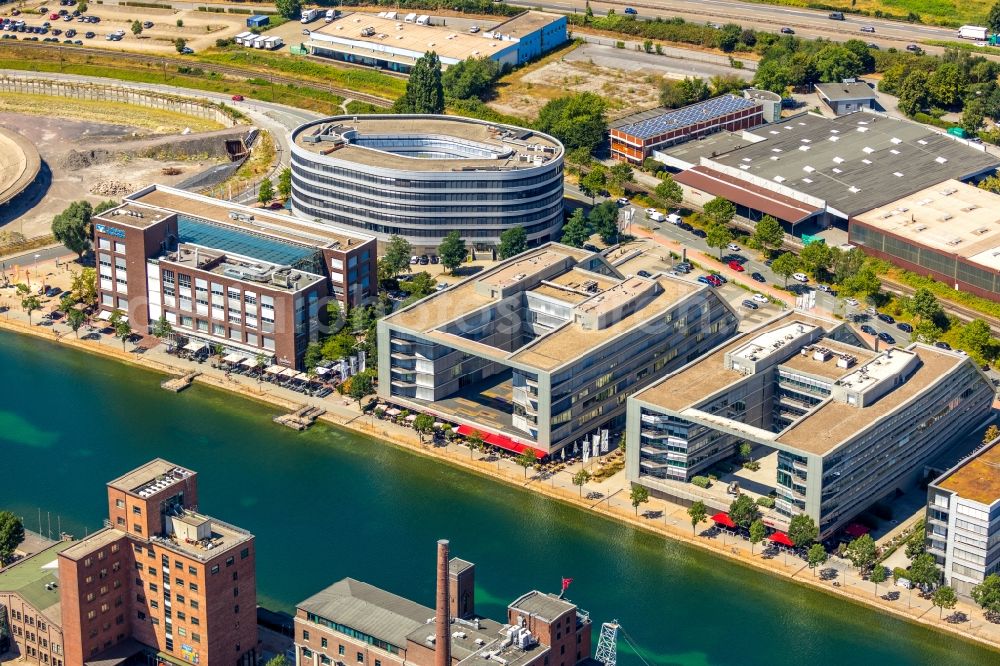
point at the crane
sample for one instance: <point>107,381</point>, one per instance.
<point>607,646</point>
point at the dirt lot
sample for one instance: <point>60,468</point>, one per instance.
<point>57,184</point>
<point>200,29</point>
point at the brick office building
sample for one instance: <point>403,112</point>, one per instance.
<point>161,584</point>
<point>352,622</point>
<point>248,280</point>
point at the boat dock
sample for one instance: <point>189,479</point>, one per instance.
<point>301,418</point>
<point>178,384</point>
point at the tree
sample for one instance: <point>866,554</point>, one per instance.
<point>422,284</point>
<point>913,95</point>
<point>993,19</point>
<point>29,304</point>
<point>362,384</point>
<point>180,43</point>
<point>11,535</point>
<point>594,182</point>
<point>75,319</point>
<point>697,512</point>
<point>785,264</point>
<point>916,544</point>
<point>638,495</point>
<point>396,258</point>
<point>82,7</point>
<point>475,440</point>
<point>815,258</point>
<point>926,331</point>
<point>726,83</point>
<point>603,219</point>
<point>580,478</point>
<point>513,241</point>
<point>861,49</point>
<point>619,174</point>
<point>746,451</point>
<point>864,283</point>
<point>946,85</point>
<point>84,285</point>
<point>285,183</point>
<point>975,337</point>
<point>862,552</point>
<point>136,28</point>
<point>162,328</point>
<point>470,78</point>
<point>668,192</point>
<point>576,231</point>
<point>944,597</point>
<point>720,211</point>
<point>757,533</point>
<point>266,192</point>
<point>878,575</point>
<point>991,433</point>
<point>526,459</point>
<point>925,305</point>
<point>743,511</point>
<point>834,63</point>
<point>578,121</point>
<point>973,116</point>
<point>987,594</point>
<point>772,75</point>
<point>924,570</point>
<point>452,251</point>
<point>718,236</point>
<point>424,91</point>
<point>816,556</point>
<point>72,227</point>
<point>278,660</point>
<point>423,424</point>
<point>802,530</point>
<point>729,37</point>
<point>119,322</point>
<point>769,234</point>
<point>289,9</point>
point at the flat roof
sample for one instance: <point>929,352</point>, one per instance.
<point>386,33</point>
<point>842,92</point>
<point>708,375</point>
<point>826,365</point>
<point>369,610</point>
<point>541,604</point>
<point>747,194</point>
<point>977,478</point>
<point>150,478</point>
<point>245,268</point>
<point>389,142</point>
<point>648,124</point>
<point>822,430</point>
<point>29,576</point>
<point>856,162</point>
<point>132,215</point>
<point>256,221</point>
<point>713,145</point>
<point>951,217</point>
<point>95,541</point>
<point>224,537</point>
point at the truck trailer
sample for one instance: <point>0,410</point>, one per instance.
<point>973,32</point>
<point>309,15</point>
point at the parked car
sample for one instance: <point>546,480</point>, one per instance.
<point>683,267</point>
<point>853,302</point>
<point>757,277</point>
<point>89,35</point>
<point>824,288</point>
<point>434,259</point>
<point>760,298</point>
<point>674,218</point>
<point>147,24</point>
<point>716,276</point>
<point>700,233</point>
<point>414,260</point>
<point>187,50</point>
<point>704,280</point>
<point>623,201</point>
<point>886,338</point>
<point>865,328</point>
<point>424,260</point>
<point>787,31</point>
<point>886,318</point>
<point>685,226</point>
<point>749,305</point>
<point>801,277</point>
<point>942,345</point>
<point>645,274</point>
<point>736,266</point>
<point>733,247</point>
<point>904,327</point>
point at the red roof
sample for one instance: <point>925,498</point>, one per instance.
<point>856,530</point>
<point>724,519</point>
<point>782,538</point>
<point>502,441</point>
<point>745,193</point>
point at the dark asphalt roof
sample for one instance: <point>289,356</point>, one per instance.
<point>842,92</point>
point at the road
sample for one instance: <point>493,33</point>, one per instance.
<point>806,22</point>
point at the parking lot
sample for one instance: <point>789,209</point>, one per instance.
<point>110,26</point>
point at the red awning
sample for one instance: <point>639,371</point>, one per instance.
<point>856,530</point>
<point>501,441</point>
<point>724,519</point>
<point>781,538</point>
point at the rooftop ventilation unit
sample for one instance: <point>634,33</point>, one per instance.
<point>945,217</point>
<point>921,227</point>
<point>948,192</point>
<point>970,208</point>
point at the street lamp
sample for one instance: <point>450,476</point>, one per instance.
<point>36,268</point>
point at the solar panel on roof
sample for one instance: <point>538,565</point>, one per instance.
<point>688,115</point>
<point>223,238</point>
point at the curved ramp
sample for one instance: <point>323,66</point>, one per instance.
<point>19,164</point>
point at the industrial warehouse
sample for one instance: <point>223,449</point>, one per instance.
<point>395,40</point>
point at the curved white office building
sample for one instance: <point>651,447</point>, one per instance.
<point>421,176</point>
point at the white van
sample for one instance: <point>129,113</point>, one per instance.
<point>655,215</point>
<point>674,218</point>
<point>330,15</point>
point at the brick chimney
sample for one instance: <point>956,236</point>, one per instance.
<point>442,615</point>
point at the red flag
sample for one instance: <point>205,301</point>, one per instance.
<point>566,583</point>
